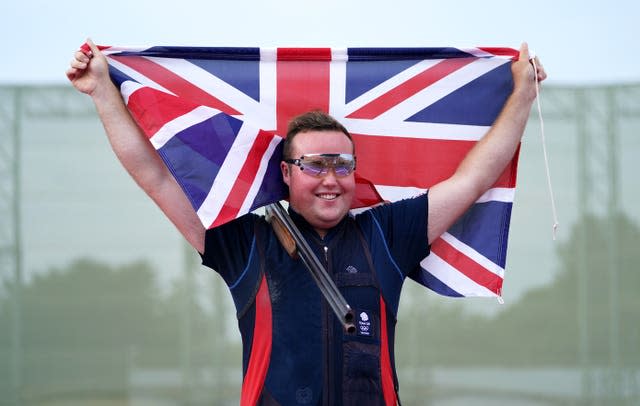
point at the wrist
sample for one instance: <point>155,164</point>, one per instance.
<point>105,92</point>
<point>524,94</point>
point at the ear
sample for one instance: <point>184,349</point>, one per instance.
<point>286,173</point>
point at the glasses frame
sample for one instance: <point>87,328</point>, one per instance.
<point>299,162</point>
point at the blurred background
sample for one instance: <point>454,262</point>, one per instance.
<point>102,303</point>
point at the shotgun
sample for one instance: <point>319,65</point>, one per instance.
<point>297,247</point>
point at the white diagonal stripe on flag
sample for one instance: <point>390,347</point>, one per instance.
<point>227,175</point>
<point>173,127</point>
<point>391,84</point>
<point>438,90</point>
<point>128,88</point>
<point>213,85</point>
<point>452,277</point>
<point>137,76</point>
<point>257,180</point>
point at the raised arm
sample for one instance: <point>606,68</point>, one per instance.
<point>89,74</point>
<point>482,166</point>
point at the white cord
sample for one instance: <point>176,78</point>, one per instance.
<point>544,151</point>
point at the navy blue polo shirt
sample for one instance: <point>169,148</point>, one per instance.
<point>306,351</point>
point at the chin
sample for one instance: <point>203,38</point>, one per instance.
<point>333,220</point>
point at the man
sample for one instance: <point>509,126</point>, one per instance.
<point>294,349</point>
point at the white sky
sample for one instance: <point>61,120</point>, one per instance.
<point>579,42</point>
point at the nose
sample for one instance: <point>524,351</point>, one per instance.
<point>330,178</point>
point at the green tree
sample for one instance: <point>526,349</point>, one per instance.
<point>543,327</point>
<point>80,324</point>
<point>546,320</point>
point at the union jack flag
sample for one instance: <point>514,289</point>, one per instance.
<point>216,116</point>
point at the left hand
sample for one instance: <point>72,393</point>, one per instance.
<point>524,75</point>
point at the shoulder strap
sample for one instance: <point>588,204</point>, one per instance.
<point>259,236</point>
<point>374,271</point>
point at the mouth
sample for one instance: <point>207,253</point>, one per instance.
<point>327,196</point>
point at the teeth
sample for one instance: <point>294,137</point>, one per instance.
<point>327,196</point>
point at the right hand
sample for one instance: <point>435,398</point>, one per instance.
<point>88,70</point>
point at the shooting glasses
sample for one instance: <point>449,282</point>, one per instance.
<point>318,165</point>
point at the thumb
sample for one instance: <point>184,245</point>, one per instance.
<point>93,47</point>
<point>524,52</point>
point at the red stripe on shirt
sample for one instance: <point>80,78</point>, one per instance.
<point>386,371</point>
<point>260,349</point>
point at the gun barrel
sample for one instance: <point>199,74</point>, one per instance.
<point>281,222</point>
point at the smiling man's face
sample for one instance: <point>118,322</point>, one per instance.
<point>323,201</point>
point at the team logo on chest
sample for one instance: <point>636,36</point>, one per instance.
<point>364,324</point>
<point>351,269</point>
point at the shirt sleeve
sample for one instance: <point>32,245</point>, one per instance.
<point>403,225</point>
<point>227,248</point>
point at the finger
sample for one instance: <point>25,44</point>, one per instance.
<point>77,64</point>
<point>84,50</point>
<point>81,56</point>
<point>94,48</point>
<point>541,73</point>
<point>537,62</point>
<point>71,73</point>
<point>524,52</point>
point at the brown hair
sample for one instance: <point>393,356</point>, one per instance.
<point>315,120</point>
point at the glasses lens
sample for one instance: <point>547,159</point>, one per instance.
<point>313,166</point>
<point>319,165</point>
<point>343,166</point>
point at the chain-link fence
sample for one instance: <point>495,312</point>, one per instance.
<point>101,303</point>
